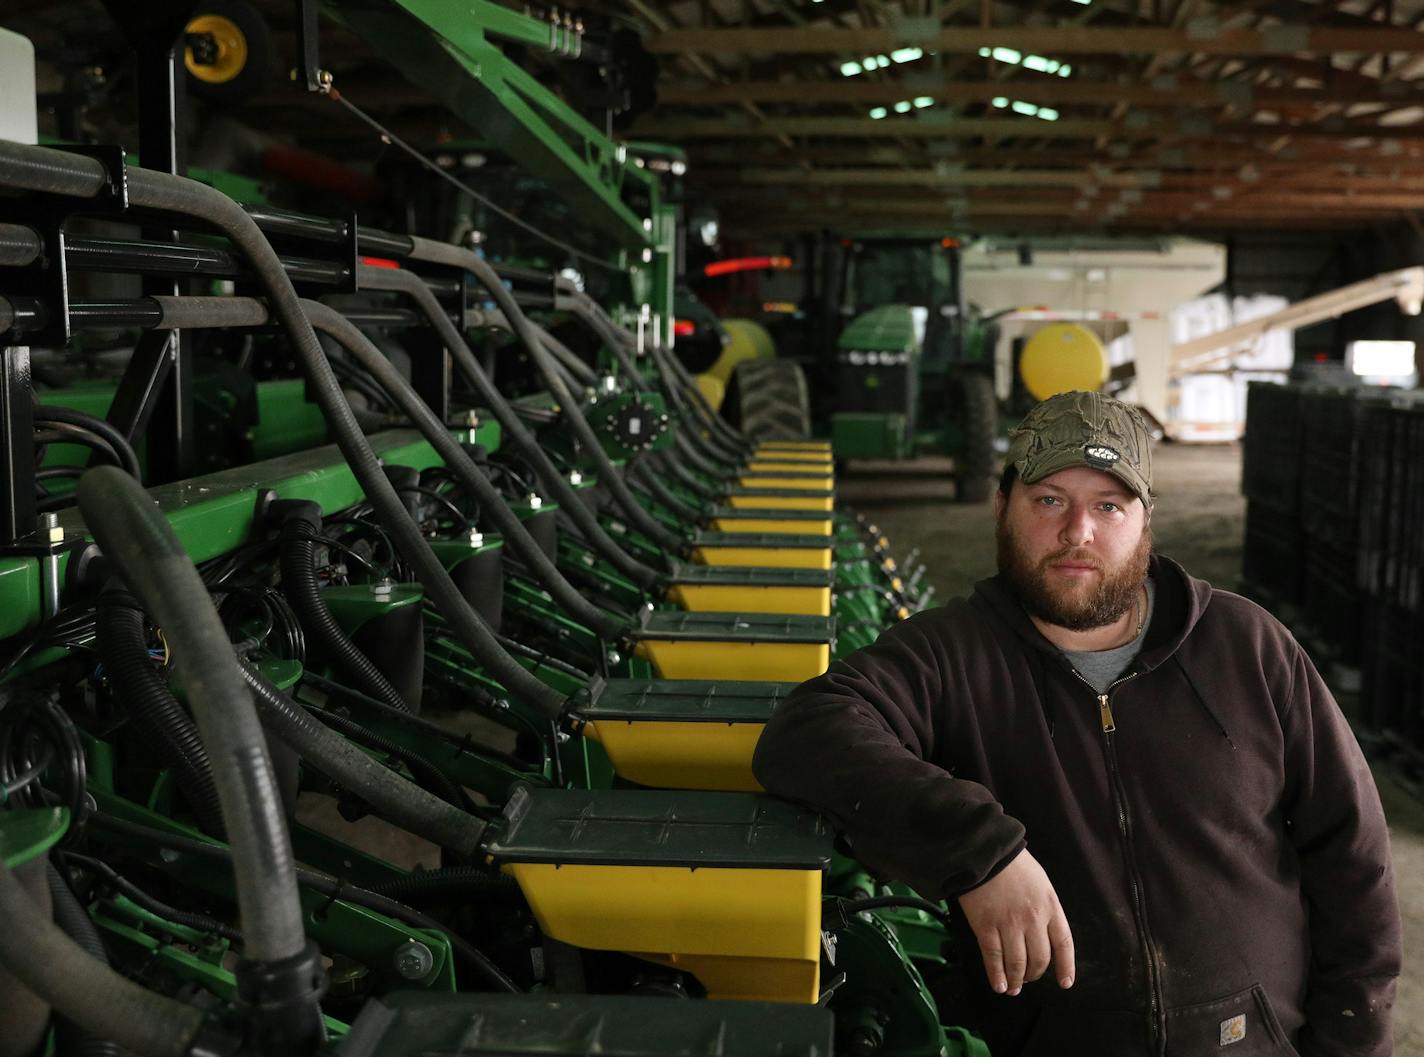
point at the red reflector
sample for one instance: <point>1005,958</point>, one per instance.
<point>1321,357</point>
<point>684,327</point>
<point>379,262</point>
<point>745,264</point>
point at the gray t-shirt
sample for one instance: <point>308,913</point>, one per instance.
<point>1102,667</point>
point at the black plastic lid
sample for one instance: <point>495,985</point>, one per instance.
<point>735,627</point>
<point>420,1024</point>
<point>654,827</point>
<point>686,701</point>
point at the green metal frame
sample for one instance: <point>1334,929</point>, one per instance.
<point>448,48</point>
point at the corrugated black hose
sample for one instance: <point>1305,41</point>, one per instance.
<point>300,523</point>
<point>123,647</point>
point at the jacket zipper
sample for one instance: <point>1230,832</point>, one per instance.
<point>1157,1027</point>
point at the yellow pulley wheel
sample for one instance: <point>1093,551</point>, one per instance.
<point>1063,357</point>
<point>231,44</point>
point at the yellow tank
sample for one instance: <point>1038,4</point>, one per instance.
<point>1063,357</point>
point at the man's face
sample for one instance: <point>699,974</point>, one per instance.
<point>1074,546</point>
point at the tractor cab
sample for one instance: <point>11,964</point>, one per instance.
<point>912,375</point>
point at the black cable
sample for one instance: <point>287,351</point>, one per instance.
<point>327,885</point>
<point>462,520</point>
<point>410,719</point>
<point>64,433</point>
<point>297,556</point>
<point>123,644</point>
<point>35,727</point>
<point>154,905</point>
<point>387,136</point>
<point>128,458</point>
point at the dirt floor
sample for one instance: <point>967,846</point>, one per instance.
<point>1198,522</point>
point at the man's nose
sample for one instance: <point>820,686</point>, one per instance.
<point>1077,528</point>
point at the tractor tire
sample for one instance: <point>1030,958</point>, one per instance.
<point>975,406</point>
<point>773,400</point>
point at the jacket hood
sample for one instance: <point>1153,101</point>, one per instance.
<point>1181,599</point>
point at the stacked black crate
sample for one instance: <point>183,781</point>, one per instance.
<point>1330,488</point>
<point>1272,558</point>
<point>1392,564</point>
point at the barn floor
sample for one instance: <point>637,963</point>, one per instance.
<point>1198,521</point>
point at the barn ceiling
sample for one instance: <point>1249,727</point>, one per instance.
<point>956,116</point>
<point>1045,115</point>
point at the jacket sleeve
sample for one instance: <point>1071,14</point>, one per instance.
<point>856,745</point>
<point>1335,821</point>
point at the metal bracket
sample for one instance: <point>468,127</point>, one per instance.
<point>309,70</point>
<point>47,278</point>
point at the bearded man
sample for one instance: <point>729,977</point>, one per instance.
<point>1117,771</point>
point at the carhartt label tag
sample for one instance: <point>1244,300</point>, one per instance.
<point>1233,1030</point>
<point>1101,456</point>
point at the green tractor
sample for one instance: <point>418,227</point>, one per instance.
<point>914,369</point>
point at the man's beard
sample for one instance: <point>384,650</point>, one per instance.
<point>1114,594</point>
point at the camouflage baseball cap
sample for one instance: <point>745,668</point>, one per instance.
<point>1084,429</point>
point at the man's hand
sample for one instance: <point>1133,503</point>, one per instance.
<point>1020,926</point>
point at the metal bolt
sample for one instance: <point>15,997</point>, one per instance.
<point>474,238</point>
<point>575,477</point>
<point>383,587</point>
<point>324,78</point>
<point>472,419</point>
<point>535,500</point>
<point>413,960</point>
<point>477,538</point>
<point>49,529</point>
<point>614,657</point>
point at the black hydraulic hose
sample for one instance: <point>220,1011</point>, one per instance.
<point>164,725</point>
<point>45,413</point>
<point>466,884</point>
<point>516,433</point>
<point>137,539</point>
<point>19,245</point>
<point>26,167</point>
<point>684,472</point>
<point>73,919</point>
<point>721,437</point>
<point>427,774</point>
<point>174,194</point>
<point>78,985</point>
<point>466,471</point>
<point>335,887</point>
<point>390,795</point>
<point>425,249</point>
<point>581,371</point>
<point>650,476</point>
<point>297,559</point>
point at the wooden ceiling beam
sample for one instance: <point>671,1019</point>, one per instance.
<point>1287,39</point>
<point>1050,90</point>
<point>931,125</point>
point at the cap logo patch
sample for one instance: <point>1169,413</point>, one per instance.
<point>1101,456</point>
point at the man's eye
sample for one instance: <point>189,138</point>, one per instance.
<point>1111,508</point>
<point>1048,500</point>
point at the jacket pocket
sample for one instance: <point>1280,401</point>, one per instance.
<point>1239,1025</point>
